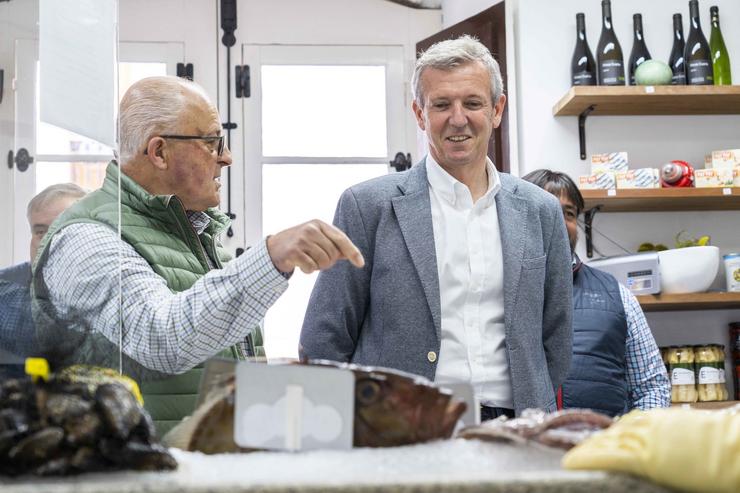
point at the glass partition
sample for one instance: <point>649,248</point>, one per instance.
<point>59,123</point>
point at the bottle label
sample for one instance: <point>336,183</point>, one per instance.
<point>678,79</point>
<point>700,72</point>
<point>682,374</point>
<point>612,73</point>
<point>708,373</point>
<point>583,79</point>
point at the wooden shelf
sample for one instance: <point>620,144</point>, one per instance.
<point>692,301</point>
<point>650,100</point>
<point>708,405</point>
<point>663,199</point>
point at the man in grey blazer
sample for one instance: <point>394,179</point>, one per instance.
<point>467,273</point>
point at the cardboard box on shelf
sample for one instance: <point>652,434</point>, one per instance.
<point>726,159</point>
<point>712,178</point>
<point>605,180</point>
<point>639,178</point>
<point>614,161</point>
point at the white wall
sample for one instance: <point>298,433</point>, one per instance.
<point>544,34</point>
<point>454,11</point>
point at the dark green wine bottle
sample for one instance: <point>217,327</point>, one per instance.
<point>609,59</point>
<point>582,65</point>
<point>720,58</point>
<point>697,55</point>
<point>639,52</point>
<point>676,60</point>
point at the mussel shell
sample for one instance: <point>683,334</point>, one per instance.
<point>83,430</point>
<point>61,408</point>
<point>135,455</point>
<point>119,408</point>
<point>37,447</point>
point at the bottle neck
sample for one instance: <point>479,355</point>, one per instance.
<point>606,14</point>
<point>678,28</point>
<point>694,11</point>
<point>581,27</point>
<point>638,33</point>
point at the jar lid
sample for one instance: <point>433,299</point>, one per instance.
<point>731,255</point>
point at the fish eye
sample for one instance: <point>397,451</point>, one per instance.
<point>367,391</point>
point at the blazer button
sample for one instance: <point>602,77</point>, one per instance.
<point>432,356</point>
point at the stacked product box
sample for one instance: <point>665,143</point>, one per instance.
<point>639,178</point>
<point>604,169</point>
<point>722,170</point>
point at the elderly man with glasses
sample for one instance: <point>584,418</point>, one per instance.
<point>147,282</point>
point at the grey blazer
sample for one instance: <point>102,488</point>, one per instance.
<point>388,313</point>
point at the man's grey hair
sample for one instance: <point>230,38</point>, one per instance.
<point>452,53</point>
<point>150,107</point>
<point>51,194</point>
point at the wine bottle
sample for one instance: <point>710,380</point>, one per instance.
<point>720,58</point>
<point>639,52</point>
<point>676,60</point>
<point>609,59</point>
<point>582,66</point>
<point>697,55</point>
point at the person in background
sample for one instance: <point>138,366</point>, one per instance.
<point>17,333</point>
<point>616,363</point>
<point>182,299</point>
<point>468,269</point>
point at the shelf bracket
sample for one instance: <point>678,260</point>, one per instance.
<point>588,217</point>
<point>582,129</point>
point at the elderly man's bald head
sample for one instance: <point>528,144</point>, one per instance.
<point>153,106</point>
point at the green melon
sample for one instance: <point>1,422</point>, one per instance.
<point>653,73</point>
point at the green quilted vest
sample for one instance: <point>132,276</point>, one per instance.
<point>158,229</point>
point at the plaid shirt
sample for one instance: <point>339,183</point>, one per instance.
<point>647,378</point>
<point>164,331</point>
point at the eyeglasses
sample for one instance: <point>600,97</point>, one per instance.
<point>207,138</point>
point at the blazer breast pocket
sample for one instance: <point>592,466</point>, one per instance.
<point>534,263</point>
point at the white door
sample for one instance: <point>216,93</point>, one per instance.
<point>58,154</point>
<point>319,119</point>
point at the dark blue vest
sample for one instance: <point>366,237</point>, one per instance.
<point>597,379</point>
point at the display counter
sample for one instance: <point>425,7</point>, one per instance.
<point>457,465</point>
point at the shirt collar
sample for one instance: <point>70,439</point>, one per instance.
<point>199,220</point>
<point>452,190</point>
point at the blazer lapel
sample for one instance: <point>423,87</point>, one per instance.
<point>512,214</point>
<point>414,214</point>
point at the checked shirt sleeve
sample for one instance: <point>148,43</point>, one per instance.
<point>647,378</point>
<point>164,331</point>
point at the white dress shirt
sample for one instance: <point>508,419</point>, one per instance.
<point>470,266</point>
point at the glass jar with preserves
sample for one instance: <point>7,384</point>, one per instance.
<point>681,371</point>
<point>720,349</point>
<point>708,381</point>
<point>664,356</point>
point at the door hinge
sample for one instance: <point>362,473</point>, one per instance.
<point>185,70</point>
<point>243,81</point>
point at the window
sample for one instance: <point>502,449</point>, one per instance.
<point>325,118</point>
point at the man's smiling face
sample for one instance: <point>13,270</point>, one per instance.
<point>458,114</point>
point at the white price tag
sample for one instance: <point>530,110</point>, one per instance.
<point>649,89</point>
<point>726,191</point>
<point>611,193</point>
